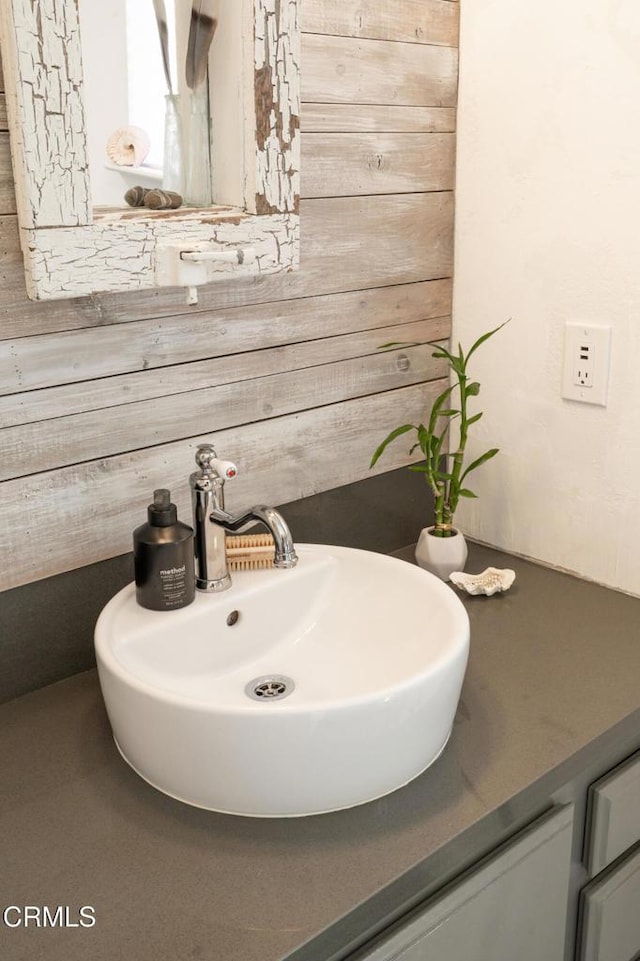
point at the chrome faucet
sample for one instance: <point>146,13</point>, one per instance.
<point>211,522</point>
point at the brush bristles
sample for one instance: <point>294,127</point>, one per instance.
<point>238,542</point>
<point>260,563</point>
<point>246,552</point>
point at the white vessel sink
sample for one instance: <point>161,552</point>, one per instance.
<point>361,658</point>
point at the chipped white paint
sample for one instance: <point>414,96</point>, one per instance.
<point>46,111</point>
<point>121,255</point>
<point>277,58</point>
<point>68,252</point>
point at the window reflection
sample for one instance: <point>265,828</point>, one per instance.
<point>146,89</point>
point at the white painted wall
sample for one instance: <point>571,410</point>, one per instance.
<point>548,230</point>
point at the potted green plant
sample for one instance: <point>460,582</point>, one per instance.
<point>441,548</point>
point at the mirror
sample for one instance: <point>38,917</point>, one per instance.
<point>77,239</point>
<point>147,67</point>
<point>124,91</point>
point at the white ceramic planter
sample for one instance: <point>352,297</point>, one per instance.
<point>441,555</point>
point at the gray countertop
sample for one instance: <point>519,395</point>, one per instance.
<point>553,675</point>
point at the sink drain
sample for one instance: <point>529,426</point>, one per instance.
<point>272,687</point>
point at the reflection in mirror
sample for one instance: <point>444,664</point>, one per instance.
<point>146,92</point>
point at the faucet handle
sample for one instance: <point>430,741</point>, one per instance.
<point>224,468</point>
<point>210,465</point>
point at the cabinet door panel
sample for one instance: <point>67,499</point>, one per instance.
<point>611,914</point>
<point>513,905</point>
<point>614,814</point>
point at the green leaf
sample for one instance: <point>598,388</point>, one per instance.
<point>441,350</point>
<point>398,343</point>
<point>472,420</point>
<point>392,436</point>
<point>435,445</point>
<point>472,390</point>
<point>441,353</point>
<point>419,468</point>
<point>480,460</point>
<point>437,408</point>
<point>484,337</point>
<point>465,492</point>
<point>424,440</point>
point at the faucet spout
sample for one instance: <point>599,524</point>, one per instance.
<point>285,554</point>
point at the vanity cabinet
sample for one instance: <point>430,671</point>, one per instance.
<point>511,905</point>
<point>609,927</point>
<point>523,900</point>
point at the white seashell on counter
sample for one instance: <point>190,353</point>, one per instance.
<point>128,146</point>
<point>491,581</point>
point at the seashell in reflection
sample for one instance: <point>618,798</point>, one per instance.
<point>162,199</point>
<point>128,146</point>
<point>135,196</point>
<point>490,581</point>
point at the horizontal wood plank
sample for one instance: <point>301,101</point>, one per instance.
<point>413,21</point>
<point>346,244</point>
<point>346,70</point>
<point>342,159</point>
<point>374,118</point>
<point>133,426</point>
<point>75,398</point>
<point>347,165</point>
<point>60,362</point>
<point>279,460</point>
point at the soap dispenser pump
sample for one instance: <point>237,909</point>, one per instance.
<point>163,556</point>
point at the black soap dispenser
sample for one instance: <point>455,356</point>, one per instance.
<point>163,557</point>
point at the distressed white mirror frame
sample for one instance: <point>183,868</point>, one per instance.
<point>70,249</point>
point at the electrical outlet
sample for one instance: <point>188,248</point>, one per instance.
<point>587,350</point>
<point>584,362</point>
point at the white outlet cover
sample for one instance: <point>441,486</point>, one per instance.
<point>599,340</point>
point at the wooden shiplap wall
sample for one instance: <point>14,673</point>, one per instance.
<point>104,398</point>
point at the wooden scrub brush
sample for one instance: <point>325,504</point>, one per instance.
<point>249,552</point>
